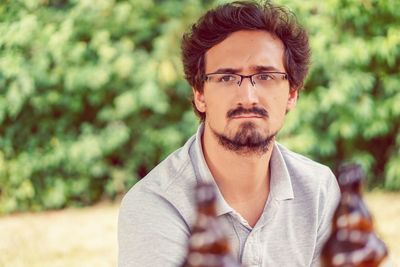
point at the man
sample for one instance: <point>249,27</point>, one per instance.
<point>246,63</point>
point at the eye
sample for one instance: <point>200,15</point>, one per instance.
<point>227,78</point>
<point>265,76</point>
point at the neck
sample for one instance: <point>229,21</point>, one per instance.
<point>240,178</point>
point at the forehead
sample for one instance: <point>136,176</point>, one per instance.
<point>246,50</point>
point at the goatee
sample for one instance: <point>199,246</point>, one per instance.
<point>246,141</point>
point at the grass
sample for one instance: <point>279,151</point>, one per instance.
<point>87,237</point>
<point>71,237</point>
<point>385,209</point>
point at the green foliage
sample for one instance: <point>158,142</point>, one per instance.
<point>91,97</point>
<point>350,107</point>
<point>92,94</point>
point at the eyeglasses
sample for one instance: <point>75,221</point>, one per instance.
<point>262,79</point>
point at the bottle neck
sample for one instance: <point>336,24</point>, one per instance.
<point>205,199</point>
<point>352,213</point>
<point>207,209</point>
<point>353,188</point>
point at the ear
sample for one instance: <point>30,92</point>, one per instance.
<point>292,98</point>
<point>198,98</point>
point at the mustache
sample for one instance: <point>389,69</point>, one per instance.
<point>241,110</point>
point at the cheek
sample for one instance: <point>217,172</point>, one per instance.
<point>277,107</point>
<point>217,105</point>
<point>215,111</point>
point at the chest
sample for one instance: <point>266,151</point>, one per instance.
<point>250,211</point>
<point>283,236</point>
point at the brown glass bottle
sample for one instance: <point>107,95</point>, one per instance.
<point>353,242</point>
<point>208,246</point>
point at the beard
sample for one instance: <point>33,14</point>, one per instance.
<point>247,140</point>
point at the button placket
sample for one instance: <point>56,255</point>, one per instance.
<point>251,253</point>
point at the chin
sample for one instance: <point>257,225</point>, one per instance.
<point>246,139</point>
<point>251,124</point>
<point>247,128</point>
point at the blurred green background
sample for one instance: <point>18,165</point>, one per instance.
<point>92,94</point>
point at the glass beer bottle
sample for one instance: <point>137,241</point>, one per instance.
<point>353,242</point>
<point>208,246</point>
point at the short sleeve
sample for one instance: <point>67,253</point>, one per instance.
<point>151,231</point>
<point>329,199</point>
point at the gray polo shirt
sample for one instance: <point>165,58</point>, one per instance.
<point>157,213</point>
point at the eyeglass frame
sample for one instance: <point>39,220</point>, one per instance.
<point>250,77</point>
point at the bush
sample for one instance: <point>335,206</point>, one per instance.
<point>92,97</point>
<point>350,109</point>
<point>92,94</point>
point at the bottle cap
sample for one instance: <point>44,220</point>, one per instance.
<point>205,193</point>
<point>350,174</point>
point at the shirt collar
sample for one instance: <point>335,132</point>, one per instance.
<point>203,173</point>
<point>281,186</point>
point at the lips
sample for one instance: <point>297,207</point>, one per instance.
<point>240,112</point>
<point>248,117</point>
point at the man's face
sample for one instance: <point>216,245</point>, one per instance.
<point>245,118</point>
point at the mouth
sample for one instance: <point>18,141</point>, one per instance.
<point>247,117</point>
<point>251,113</point>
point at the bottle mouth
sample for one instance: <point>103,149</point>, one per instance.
<point>205,193</point>
<point>350,174</point>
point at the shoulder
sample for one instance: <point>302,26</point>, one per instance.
<point>315,184</point>
<point>156,212</point>
<point>309,175</point>
<point>300,165</point>
<point>171,170</point>
<point>166,188</point>
<point>310,178</point>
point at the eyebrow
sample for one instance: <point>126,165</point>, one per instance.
<point>227,70</point>
<point>264,68</point>
<point>259,68</point>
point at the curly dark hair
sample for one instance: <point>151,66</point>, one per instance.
<point>218,23</point>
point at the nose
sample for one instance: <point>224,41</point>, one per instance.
<point>248,95</point>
